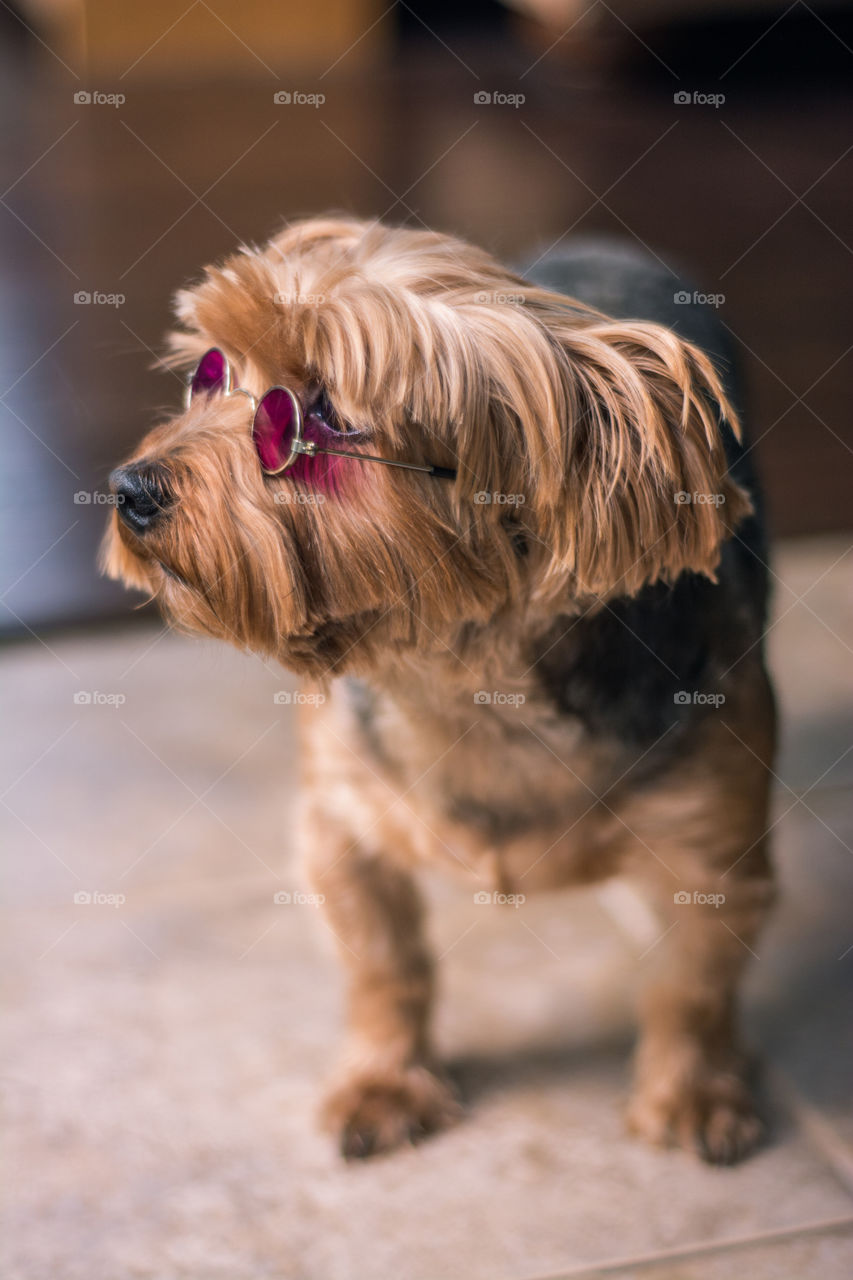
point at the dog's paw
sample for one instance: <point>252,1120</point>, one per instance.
<point>712,1113</point>
<point>370,1114</point>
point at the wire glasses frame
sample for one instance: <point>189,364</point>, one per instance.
<point>278,421</point>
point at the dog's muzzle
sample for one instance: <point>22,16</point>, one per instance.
<point>141,496</point>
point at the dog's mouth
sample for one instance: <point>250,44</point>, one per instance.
<point>131,555</point>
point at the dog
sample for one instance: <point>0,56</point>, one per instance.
<point>506,522</point>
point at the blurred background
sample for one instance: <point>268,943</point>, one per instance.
<point>144,141</point>
<point>169,1020</point>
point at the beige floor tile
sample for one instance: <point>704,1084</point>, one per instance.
<point>810,652</point>
<point>168,1054</point>
<point>801,988</point>
<point>827,1253</point>
<point>191,775</point>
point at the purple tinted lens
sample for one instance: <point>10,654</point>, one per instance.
<point>274,429</point>
<point>211,376</point>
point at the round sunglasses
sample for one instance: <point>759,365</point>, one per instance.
<point>278,421</point>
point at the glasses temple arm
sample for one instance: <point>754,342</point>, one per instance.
<point>440,473</point>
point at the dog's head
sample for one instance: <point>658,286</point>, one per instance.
<point>574,439</point>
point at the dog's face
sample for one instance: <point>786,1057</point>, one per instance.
<point>571,436</point>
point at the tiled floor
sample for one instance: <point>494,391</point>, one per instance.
<point>167,1048</point>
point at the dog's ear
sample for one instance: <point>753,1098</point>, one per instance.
<point>633,486</point>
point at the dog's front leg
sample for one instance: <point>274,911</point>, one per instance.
<point>386,1091</point>
<point>692,1087</point>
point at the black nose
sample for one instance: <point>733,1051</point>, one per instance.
<point>140,495</point>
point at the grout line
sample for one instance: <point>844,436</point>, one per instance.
<point>703,1249</point>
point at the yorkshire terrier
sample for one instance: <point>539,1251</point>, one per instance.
<point>506,523</point>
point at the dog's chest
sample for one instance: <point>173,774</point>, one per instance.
<point>523,806</point>
<point>508,792</point>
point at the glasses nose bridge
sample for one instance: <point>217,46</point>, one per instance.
<point>250,396</point>
<point>193,396</point>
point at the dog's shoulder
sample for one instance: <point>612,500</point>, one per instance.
<point>637,667</point>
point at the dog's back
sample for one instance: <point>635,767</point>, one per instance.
<point>622,669</point>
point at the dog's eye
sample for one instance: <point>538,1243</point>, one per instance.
<point>323,409</point>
